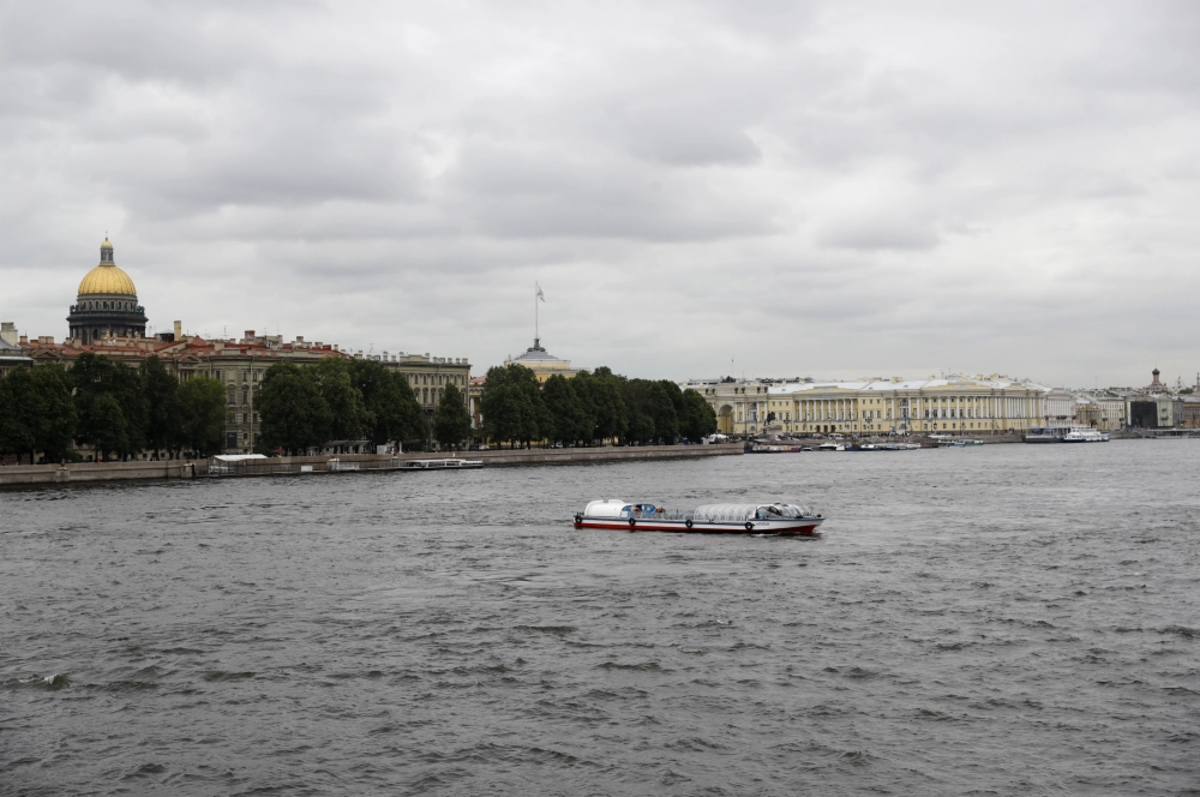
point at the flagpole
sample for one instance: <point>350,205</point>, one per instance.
<point>536,334</point>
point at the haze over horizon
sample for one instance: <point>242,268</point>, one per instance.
<point>708,188</point>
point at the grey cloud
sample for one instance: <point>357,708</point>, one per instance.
<point>871,233</point>
<point>916,178</point>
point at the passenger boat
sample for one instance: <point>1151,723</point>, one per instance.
<point>452,463</point>
<point>616,515</point>
<point>1085,434</point>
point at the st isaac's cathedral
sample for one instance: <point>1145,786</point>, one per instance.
<point>107,305</point>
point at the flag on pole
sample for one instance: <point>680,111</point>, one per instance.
<point>540,295</point>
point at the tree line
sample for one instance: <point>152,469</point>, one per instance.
<point>306,406</point>
<point>590,407</point>
<point>118,410</point>
<point>122,411</point>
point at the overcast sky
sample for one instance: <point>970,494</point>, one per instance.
<point>836,189</point>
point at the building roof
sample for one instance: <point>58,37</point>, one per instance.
<point>994,382</point>
<point>536,353</point>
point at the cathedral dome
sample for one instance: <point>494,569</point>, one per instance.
<point>107,278</point>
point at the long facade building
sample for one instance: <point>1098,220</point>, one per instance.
<point>972,405</point>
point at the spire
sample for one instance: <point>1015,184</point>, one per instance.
<point>106,252</point>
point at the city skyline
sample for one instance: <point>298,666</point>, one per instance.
<point>767,189</point>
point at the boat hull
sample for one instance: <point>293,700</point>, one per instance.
<point>806,527</point>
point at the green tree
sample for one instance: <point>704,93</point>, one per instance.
<point>566,409</point>
<point>698,419</point>
<point>512,404</point>
<point>390,409</point>
<point>668,400</point>
<point>111,405</point>
<point>163,419</point>
<point>111,429</point>
<point>55,428</point>
<point>612,414</point>
<point>201,402</point>
<point>18,402</point>
<point>584,387</point>
<point>292,410</point>
<point>640,406</point>
<point>347,418</point>
<point>451,421</point>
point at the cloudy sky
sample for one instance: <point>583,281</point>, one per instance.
<point>836,189</point>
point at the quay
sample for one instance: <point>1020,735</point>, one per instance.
<point>95,472</point>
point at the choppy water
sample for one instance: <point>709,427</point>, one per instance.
<point>1007,620</point>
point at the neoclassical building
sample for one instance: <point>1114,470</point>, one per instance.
<point>953,405</point>
<point>107,304</point>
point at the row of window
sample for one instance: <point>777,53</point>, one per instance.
<point>248,375</point>
<point>241,417</point>
<point>102,305</point>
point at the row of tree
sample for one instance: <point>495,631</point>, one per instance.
<point>121,411</point>
<point>307,406</point>
<point>118,410</point>
<point>590,407</point>
<point>302,407</point>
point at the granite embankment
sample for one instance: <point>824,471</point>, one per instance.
<point>87,472</point>
<point>90,472</point>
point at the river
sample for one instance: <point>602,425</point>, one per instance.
<point>1000,620</point>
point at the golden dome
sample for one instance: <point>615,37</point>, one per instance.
<point>107,278</point>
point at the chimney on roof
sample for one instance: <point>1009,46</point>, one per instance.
<point>299,338</point>
<point>178,330</point>
<point>249,334</point>
<point>24,339</point>
<point>8,333</point>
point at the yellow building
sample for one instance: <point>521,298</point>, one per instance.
<point>953,405</point>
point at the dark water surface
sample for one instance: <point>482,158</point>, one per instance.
<point>1005,620</point>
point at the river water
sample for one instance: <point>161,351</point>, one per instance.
<point>1003,620</point>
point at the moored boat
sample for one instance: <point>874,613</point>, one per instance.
<point>1085,434</point>
<point>451,463</point>
<point>1045,434</point>
<point>773,518</point>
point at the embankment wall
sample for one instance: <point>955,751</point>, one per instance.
<point>16,475</point>
<point>84,472</point>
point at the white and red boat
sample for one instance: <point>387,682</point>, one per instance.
<point>616,515</point>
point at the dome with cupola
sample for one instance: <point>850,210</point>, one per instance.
<point>107,304</point>
<point>106,277</point>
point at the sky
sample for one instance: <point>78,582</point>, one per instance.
<point>751,188</point>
